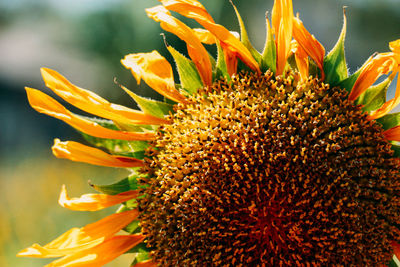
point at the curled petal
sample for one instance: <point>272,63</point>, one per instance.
<point>45,104</point>
<point>282,24</point>
<point>374,68</point>
<point>78,239</point>
<point>94,104</point>
<point>207,37</point>
<point>191,9</point>
<point>204,36</point>
<point>309,44</point>
<point>93,202</point>
<point>301,58</point>
<point>77,152</point>
<point>100,254</point>
<point>155,71</point>
<point>196,50</point>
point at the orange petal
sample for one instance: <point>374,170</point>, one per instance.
<point>155,71</point>
<point>282,23</point>
<point>309,44</point>
<point>94,104</point>
<point>77,152</point>
<point>78,239</point>
<point>148,263</point>
<point>191,9</point>
<point>393,134</point>
<point>93,202</point>
<point>301,58</point>
<point>396,249</point>
<point>371,70</point>
<point>101,254</point>
<point>47,105</point>
<point>196,50</point>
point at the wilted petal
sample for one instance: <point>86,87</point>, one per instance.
<point>100,254</point>
<point>301,58</point>
<point>156,71</point>
<point>78,239</point>
<point>194,10</point>
<point>93,202</point>
<point>196,50</point>
<point>374,68</point>
<point>78,152</point>
<point>282,23</point>
<point>309,44</point>
<point>94,104</point>
<point>45,104</point>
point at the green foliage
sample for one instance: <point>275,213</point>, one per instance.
<point>244,37</point>
<point>374,97</point>
<point>150,106</point>
<point>349,82</point>
<point>141,253</point>
<point>389,120</point>
<point>335,67</point>
<point>127,184</point>
<point>269,54</point>
<point>221,68</point>
<point>188,74</point>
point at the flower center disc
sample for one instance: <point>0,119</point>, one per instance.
<point>264,172</point>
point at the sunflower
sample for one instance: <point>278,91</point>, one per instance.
<point>277,158</point>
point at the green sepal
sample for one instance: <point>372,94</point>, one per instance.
<point>188,74</point>
<point>374,97</point>
<point>133,227</point>
<point>335,66</point>
<point>152,107</point>
<point>394,262</point>
<point>141,253</point>
<point>127,184</point>
<point>396,149</point>
<point>269,53</point>
<point>244,37</point>
<point>114,146</point>
<point>221,68</point>
<point>389,120</point>
<point>349,82</point>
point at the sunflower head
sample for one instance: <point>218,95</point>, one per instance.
<point>277,158</point>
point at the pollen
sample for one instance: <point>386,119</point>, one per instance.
<point>265,171</point>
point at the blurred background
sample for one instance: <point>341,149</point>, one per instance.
<point>85,41</point>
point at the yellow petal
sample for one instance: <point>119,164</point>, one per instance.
<point>374,68</point>
<point>196,50</point>
<point>301,58</point>
<point>155,71</point>
<point>194,10</point>
<point>309,44</point>
<point>77,152</point>
<point>282,23</point>
<point>204,36</point>
<point>47,105</point>
<point>93,202</point>
<point>101,254</point>
<point>94,104</point>
<point>78,239</point>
